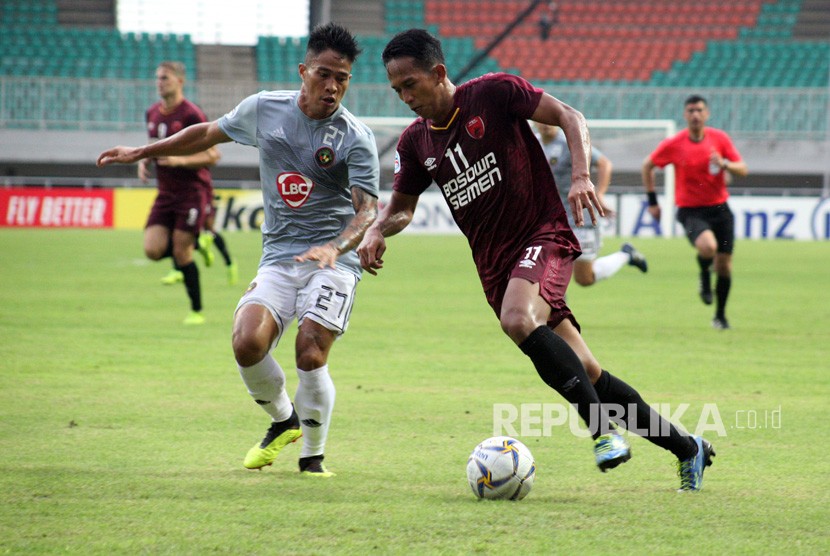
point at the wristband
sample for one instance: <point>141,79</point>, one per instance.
<point>652,198</point>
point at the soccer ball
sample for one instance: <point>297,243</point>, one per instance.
<point>501,468</point>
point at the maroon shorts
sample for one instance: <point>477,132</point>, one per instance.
<point>183,211</point>
<point>548,264</point>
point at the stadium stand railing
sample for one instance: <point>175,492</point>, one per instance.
<point>116,104</point>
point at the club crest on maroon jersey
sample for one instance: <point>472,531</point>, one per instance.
<point>475,127</point>
<point>294,188</point>
<point>324,157</point>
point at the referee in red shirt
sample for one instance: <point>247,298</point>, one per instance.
<point>702,157</point>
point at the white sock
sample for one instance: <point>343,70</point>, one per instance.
<point>266,385</point>
<point>314,401</point>
<point>607,266</point>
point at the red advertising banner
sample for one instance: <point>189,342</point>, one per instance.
<point>56,207</point>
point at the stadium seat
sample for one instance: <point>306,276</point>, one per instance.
<point>648,35</point>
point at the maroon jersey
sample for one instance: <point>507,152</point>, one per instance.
<point>492,172</point>
<point>161,125</point>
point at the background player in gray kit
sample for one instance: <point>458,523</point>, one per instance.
<point>588,269</point>
<point>319,174</point>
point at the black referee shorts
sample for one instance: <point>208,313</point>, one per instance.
<point>718,218</point>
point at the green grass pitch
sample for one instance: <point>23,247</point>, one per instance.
<point>123,432</point>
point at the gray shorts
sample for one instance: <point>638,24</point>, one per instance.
<point>590,241</point>
<point>303,291</point>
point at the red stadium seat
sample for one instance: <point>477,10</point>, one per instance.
<point>597,40</point>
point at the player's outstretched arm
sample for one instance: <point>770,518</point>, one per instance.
<point>202,159</point>
<point>190,140</point>
<point>365,209</point>
<point>583,194</point>
<point>393,218</point>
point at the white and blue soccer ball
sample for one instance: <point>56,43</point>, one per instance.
<point>501,468</point>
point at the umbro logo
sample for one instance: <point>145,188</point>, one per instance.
<point>430,163</point>
<point>568,386</point>
<point>526,263</point>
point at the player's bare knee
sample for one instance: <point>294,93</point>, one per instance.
<point>584,280</point>
<point>248,350</point>
<point>706,245</point>
<point>182,256</point>
<point>310,360</point>
<point>707,251</point>
<point>153,253</point>
<point>517,325</point>
<point>254,334</point>
<point>584,272</point>
<point>313,345</point>
<point>311,353</point>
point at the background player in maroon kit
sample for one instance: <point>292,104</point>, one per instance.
<point>178,213</point>
<point>702,157</point>
<point>474,141</point>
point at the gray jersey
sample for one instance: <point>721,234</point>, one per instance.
<point>559,158</point>
<point>307,169</point>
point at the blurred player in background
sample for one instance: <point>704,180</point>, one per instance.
<point>180,208</point>
<point>320,176</point>
<point>703,157</point>
<point>588,269</point>
<point>210,237</point>
<point>170,78</point>
<point>475,142</point>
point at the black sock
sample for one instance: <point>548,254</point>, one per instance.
<point>219,242</point>
<point>659,431</point>
<point>705,275</point>
<point>191,284</point>
<point>722,291</point>
<point>561,369</point>
<point>169,251</point>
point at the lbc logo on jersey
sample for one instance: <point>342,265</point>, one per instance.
<point>294,188</point>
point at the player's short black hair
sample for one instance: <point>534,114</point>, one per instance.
<point>418,44</point>
<point>335,37</point>
<point>694,99</point>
